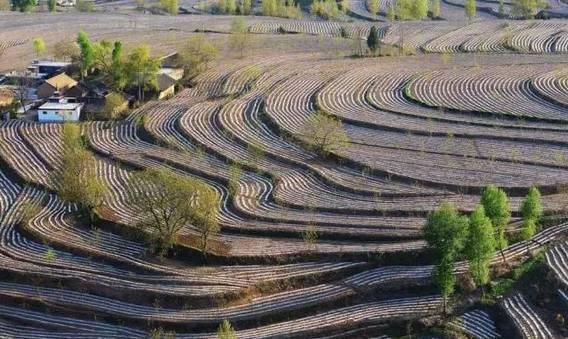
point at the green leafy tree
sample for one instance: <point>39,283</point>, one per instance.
<point>496,205</point>
<point>115,105</point>
<point>531,210</point>
<point>51,5</point>
<point>526,9</point>
<point>205,218</point>
<point>436,12</point>
<point>170,6</point>
<point>117,69</point>
<point>23,5</point>
<point>480,246</point>
<point>501,8</point>
<point>325,133</point>
<point>38,46</point>
<point>85,6</point>
<point>391,13</point>
<point>470,9</point>
<point>310,235</point>
<point>445,278</point>
<point>165,202</point>
<point>231,7</point>
<point>77,180</point>
<point>226,331</point>
<point>142,70</point>
<point>245,7</point>
<point>403,9</point>
<point>531,207</point>
<point>419,9</point>
<point>373,41</point>
<point>445,232</point>
<point>87,56</point>
<point>240,36</point>
<point>373,6</point>
<point>196,55</point>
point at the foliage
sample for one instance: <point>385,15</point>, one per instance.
<point>391,13</point>
<point>310,234</point>
<point>529,229</point>
<point>435,9</point>
<point>159,333</point>
<point>373,41</point>
<point>170,6</point>
<point>281,8</point>
<point>165,202</point>
<point>66,50</point>
<point>531,208</point>
<point>38,46</point>
<point>235,174</point>
<point>325,133</point>
<point>496,205</point>
<point>23,5</point>
<point>85,5</point>
<point>196,55</point>
<point>77,181</point>
<point>141,70</point>
<point>526,9</point>
<point>326,9</point>
<point>419,9</point>
<point>501,8</point>
<point>205,216</point>
<point>226,331</point>
<point>50,255</point>
<point>445,232</point>
<point>470,9</point>
<point>5,5</point>
<point>480,246</point>
<point>240,36</point>
<point>114,106</point>
<point>86,49</point>
<point>403,9</point>
<point>373,6</point>
<point>51,4</point>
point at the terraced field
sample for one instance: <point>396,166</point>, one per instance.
<point>425,129</point>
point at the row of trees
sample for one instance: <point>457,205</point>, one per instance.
<point>137,69</point>
<point>406,9</point>
<point>164,201</point>
<point>476,238</point>
<point>241,7</point>
<point>328,9</point>
<point>281,8</point>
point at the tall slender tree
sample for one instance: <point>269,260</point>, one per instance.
<point>373,40</point>
<point>496,205</point>
<point>470,9</point>
<point>480,245</point>
<point>445,232</point>
<point>531,211</point>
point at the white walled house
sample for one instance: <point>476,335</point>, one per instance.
<point>59,109</point>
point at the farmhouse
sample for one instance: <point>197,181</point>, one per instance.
<point>47,68</point>
<point>59,109</point>
<point>61,83</point>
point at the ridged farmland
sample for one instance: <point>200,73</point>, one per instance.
<point>476,104</point>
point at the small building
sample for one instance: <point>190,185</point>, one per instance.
<point>59,109</point>
<point>166,86</point>
<point>61,83</point>
<point>47,69</point>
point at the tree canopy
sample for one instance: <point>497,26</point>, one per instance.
<point>325,133</point>
<point>373,41</point>
<point>496,205</point>
<point>480,245</point>
<point>23,5</point>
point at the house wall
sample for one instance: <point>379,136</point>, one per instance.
<point>167,93</point>
<point>44,115</point>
